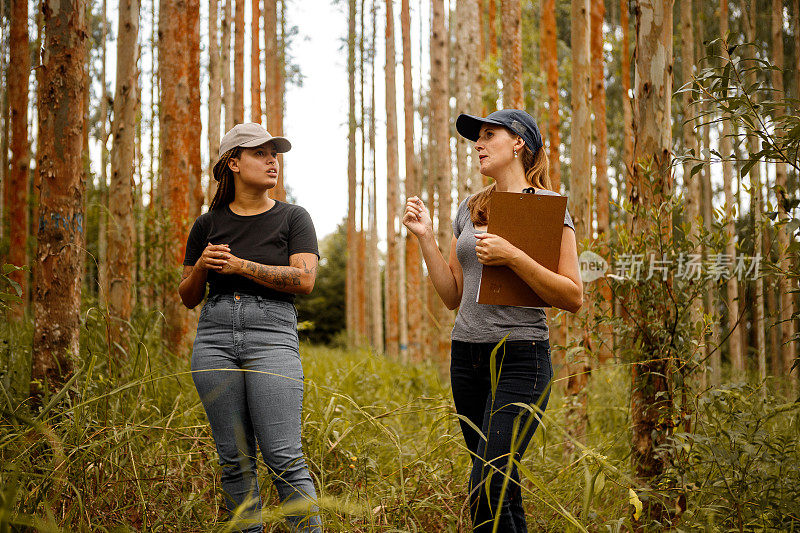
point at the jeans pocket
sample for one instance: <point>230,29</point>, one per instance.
<point>280,312</point>
<point>211,301</point>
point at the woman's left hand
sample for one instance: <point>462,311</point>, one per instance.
<point>493,250</point>
<point>232,264</point>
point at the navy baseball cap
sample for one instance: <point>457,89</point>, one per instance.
<point>516,120</point>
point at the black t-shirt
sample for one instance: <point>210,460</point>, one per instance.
<point>268,238</point>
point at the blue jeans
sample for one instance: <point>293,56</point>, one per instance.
<point>246,367</point>
<point>524,373</point>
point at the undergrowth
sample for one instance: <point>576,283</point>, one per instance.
<point>126,446</point>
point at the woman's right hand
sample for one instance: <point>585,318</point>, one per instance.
<point>214,257</point>
<point>417,218</point>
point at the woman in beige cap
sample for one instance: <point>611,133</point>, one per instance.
<point>255,253</point>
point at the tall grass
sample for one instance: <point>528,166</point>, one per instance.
<point>126,447</point>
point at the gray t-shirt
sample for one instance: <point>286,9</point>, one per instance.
<point>490,323</point>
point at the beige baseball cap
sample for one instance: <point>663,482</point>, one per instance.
<point>250,134</point>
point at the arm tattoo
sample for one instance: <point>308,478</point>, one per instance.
<point>278,277</point>
<point>312,270</point>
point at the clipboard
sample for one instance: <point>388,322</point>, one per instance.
<point>534,224</point>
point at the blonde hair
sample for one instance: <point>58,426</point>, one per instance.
<point>537,174</point>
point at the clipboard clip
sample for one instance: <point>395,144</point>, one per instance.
<point>529,190</point>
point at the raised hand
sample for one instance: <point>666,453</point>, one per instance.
<point>417,218</point>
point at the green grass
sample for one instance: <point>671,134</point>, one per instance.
<point>135,453</point>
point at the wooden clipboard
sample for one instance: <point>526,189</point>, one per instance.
<point>534,224</point>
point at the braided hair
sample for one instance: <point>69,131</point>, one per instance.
<point>226,189</point>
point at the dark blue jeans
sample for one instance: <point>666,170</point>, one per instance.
<point>246,367</point>
<point>523,376</point>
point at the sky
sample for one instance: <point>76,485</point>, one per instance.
<point>316,112</point>
<point>315,118</point>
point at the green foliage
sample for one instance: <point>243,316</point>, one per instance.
<point>10,290</point>
<point>381,438</point>
<point>755,107</point>
<point>323,309</point>
<point>740,468</point>
<point>731,87</point>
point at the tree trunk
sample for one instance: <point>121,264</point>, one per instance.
<point>392,196</point>
<point>784,285</point>
<point>361,321</point>
<point>580,192</point>
<point>138,209</point>
<point>691,184</point>
<point>176,153</point>
<point>651,403</point>
<point>440,138</point>
<point>511,18</point>
<point>4,117</point>
<point>627,110</point>
<point>352,238</point>
<point>461,91</point>
<point>376,308</point>
<point>149,261</point>
<point>102,237</point>
<point>15,188</point>
<point>227,88</point>
<point>756,207</point>
<point>255,62</point>
<point>271,61</point>
<point>731,285</point>
<point>121,232</point>
<point>550,62</point>
<point>214,98</point>
<point>57,269</point>
<point>273,57</point>
<point>713,354</point>
<point>492,38</point>
<point>467,91</point>
<point>604,350</point>
<point>238,62</point>
<point>713,360</point>
<point>414,285</point>
<point>796,18</point>
<point>195,127</point>
<point>549,49</point>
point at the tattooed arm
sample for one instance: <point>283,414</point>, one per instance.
<point>297,278</point>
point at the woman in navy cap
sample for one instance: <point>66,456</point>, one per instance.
<point>509,148</point>
<point>255,254</point>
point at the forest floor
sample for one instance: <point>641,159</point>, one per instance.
<point>383,444</point>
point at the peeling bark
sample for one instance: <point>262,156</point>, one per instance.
<point>58,265</point>
<point>651,402</point>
